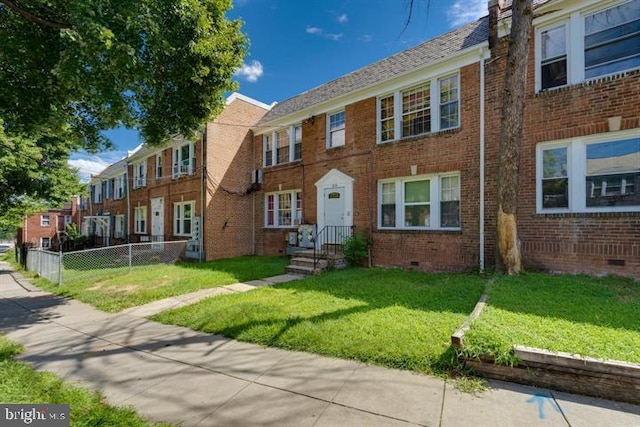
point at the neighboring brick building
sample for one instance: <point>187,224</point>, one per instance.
<point>167,187</point>
<point>46,229</point>
<point>579,203</point>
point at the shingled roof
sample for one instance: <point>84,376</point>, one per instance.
<point>433,50</point>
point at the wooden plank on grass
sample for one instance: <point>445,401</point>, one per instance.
<point>582,363</point>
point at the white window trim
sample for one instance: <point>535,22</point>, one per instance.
<point>574,39</point>
<point>140,174</point>
<point>119,226</point>
<point>48,242</point>
<point>274,149</point>
<point>120,188</point>
<point>138,213</point>
<point>295,219</point>
<point>328,130</point>
<point>46,223</point>
<point>179,167</point>
<point>434,100</point>
<point>576,164</point>
<point>434,202</point>
<point>159,160</point>
<point>176,209</point>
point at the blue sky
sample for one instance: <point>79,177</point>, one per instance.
<point>296,45</point>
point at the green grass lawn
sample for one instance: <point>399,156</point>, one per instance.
<point>115,290</point>
<point>597,317</point>
<point>20,383</point>
<point>394,318</point>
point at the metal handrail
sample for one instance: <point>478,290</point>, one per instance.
<point>330,240</point>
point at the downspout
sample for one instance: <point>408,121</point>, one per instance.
<point>203,174</point>
<point>253,194</point>
<point>128,206</point>
<point>482,202</point>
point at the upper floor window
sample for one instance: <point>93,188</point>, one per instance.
<point>282,146</point>
<point>140,174</point>
<point>588,45</point>
<point>120,189</point>
<point>414,111</point>
<point>283,209</point>
<point>96,193</point>
<point>159,162</point>
<point>45,220</point>
<point>598,173</point>
<point>184,160</point>
<point>420,202</point>
<point>335,130</point>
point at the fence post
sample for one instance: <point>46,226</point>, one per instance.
<point>60,267</point>
<point>130,258</point>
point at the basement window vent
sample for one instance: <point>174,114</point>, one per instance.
<point>414,263</point>
<point>618,262</point>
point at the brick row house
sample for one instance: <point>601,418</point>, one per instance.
<point>195,190</point>
<point>405,151</point>
<point>47,229</point>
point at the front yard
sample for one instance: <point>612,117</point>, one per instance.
<point>394,318</point>
<point>597,317</point>
<point>114,291</point>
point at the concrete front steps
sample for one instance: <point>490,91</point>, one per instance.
<point>302,263</point>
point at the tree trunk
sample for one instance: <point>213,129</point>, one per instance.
<point>509,257</point>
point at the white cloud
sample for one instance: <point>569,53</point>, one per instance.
<point>250,72</point>
<point>465,11</point>
<point>317,31</point>
<point>365,38</point>
<point>342,19</point>
<point>88,167</point>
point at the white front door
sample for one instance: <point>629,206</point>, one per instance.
<point>334,213</point>
<point>157,219</point>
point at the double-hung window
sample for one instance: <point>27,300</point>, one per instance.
<point>159,162</point>
<point>96,193</point>
<point>140,220</point>
<point>430,106</point>
<point>140,174</point>
<point>283,209</point>
<point>282,146</point>
<point>118,226</point>
<point>45,242</point>
<point>120,186</point>
<point>183,217</point>
<point>336,129</point>
<point>588,44</point>
<point>45,221</point>
<point>283,143</point>
<point>420,202</point>
<point>599,173</point>
<point>184,160</point>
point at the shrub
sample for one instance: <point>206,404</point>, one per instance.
<point>356,249</point>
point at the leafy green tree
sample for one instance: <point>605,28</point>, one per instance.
<point>70,69</point>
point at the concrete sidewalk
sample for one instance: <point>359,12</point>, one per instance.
<point>177,375</point>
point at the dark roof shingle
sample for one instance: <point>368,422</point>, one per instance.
<point>430,51</point>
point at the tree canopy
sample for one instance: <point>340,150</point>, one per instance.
<point>70,69</point>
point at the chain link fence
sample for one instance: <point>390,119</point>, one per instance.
<point>80,266</point>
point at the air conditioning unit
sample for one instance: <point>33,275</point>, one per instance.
<point>256,176</point>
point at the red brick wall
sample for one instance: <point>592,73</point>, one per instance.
<point>367,162</point>
<point>229,223</point>
<point>572,242</point>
